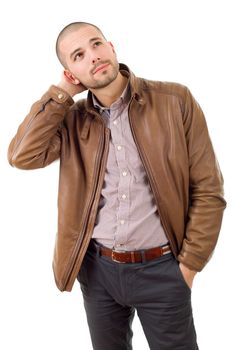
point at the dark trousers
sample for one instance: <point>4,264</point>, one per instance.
<point>156,289</point>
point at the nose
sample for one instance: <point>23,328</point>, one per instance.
<point>95,59</point>
<point>93,56</point>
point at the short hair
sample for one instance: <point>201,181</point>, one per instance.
<point>68,29</point>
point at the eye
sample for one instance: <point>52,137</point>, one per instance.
<point>97,43</point>
<point>78,56</point>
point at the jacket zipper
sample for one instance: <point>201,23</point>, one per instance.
<point>81,236</point>
<point>154,188</point>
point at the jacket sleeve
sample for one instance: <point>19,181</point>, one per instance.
<point>38,139</point>
<point>206,190</point>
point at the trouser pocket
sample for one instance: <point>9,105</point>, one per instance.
<point>180,275</point>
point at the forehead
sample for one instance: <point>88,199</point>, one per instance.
<point>78,38</point>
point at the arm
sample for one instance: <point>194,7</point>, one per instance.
<point>206,191</point>
<point>38,139</point>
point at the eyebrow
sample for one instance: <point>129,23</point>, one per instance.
<point>90,41</point>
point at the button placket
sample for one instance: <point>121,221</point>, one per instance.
<point>119,144</point>
<point>121,234</point>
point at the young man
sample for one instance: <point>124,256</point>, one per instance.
<point>140,192</point>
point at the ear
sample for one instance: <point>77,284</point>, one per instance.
<point>112,47</point>
<point>70,77</point>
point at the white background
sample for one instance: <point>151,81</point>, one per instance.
<point>189,42</point>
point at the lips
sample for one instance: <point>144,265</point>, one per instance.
<point>102,66</point>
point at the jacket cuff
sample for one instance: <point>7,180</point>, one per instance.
<point>59,95</point>
<point>192,261</point>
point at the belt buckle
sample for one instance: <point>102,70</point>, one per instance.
<point>164,251</point>
<point>118,251</point>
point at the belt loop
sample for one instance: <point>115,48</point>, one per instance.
<point>98,251</point>
<point>143,255</point>
<point>132,257</point>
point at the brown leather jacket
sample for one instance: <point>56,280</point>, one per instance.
<point>171,135</point>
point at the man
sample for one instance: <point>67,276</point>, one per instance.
<point>140,192</point>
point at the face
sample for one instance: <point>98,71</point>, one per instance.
<point>90,59</point>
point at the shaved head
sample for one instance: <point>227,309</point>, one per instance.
<point>67,30</point>
<point>86,56</point>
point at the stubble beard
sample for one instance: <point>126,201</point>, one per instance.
<point>105,82</point>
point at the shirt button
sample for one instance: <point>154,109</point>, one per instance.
<point>115,122</point>
<point>60,96</point>
<point>124,196</point>
<point>122,222</point>
<point>124,173</point>
<point>119,148</point>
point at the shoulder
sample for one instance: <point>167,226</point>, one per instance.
<point>164,88</point>
<point>80,106</point>
<point>78,111</point>
<point>77,114</point>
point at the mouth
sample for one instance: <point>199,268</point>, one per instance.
<point>101,67</point>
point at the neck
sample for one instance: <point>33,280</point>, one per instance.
<point>112,92</point>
